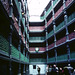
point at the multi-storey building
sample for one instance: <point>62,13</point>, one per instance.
<point>25,45</point>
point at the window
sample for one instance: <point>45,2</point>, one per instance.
<point>34,66</point>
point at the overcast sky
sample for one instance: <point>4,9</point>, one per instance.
<point>36,8</point>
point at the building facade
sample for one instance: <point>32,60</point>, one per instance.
<point>26,45</point>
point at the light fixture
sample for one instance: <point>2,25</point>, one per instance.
<point>36,49</point>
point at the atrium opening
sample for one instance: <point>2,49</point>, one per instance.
<point>37,37</point>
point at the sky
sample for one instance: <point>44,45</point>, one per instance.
<point>36,7</point>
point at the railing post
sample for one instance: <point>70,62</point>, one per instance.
<point>67,33</point>
<point>19,46</point>
<point>54,27</point>
<point>10,35</point>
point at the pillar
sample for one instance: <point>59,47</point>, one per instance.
<point>67,33</point>
<point>10,35</point>
<point>19,46</point>
<point>54,26</point>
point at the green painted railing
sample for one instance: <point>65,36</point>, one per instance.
<point>17,4</point>
<point>59,26</point>
<point>50,34</point>
<point>72,55</point>
<point>51,59</point>
<point>37,38</point>
<point>55,1</point>
<point>62,57</point>
<point>38,60</point>
<point>4,45</point>
<point>22,57</point>
<point>72,16</point>
<point>26,59</point>
<point>48,11</point>
<point>14,52</point>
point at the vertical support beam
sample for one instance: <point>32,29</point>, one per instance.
<point>54,26</point>
<point>46,34</point>
<point>24,73</point>
<point>10,45</point>
<point>67,33</point>
<point>27,69</point>
<point>10,35</point>
<point>19,46</point>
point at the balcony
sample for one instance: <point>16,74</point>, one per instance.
<point>4,48</point>
<point>62,40</point>
<point>49,21</point>
<point>40,49</point>
<point>59,27</point>
<point>72,35</point>
<point>17,5</point>
<point>37,60</point>
<point>62,57</point>
<point>22,37</point>
<point>68,2</point>
<point>50,60</point>
<point>72,55</point>
<point>48,11</point>
<point>58,12</point>
<point>15,23</point>
<point>55,2</point>
<point>36,29</point>
<point>50,34</point>
<point>4,45</point>
<point>36,39</point>
<point>14,52</point>
<point>6,5</point>
<point>71,16</point>
<point>51,45</point>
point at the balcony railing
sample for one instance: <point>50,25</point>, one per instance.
<point>40,48</point>
<point>35,29</point>
<point>4,45</point>
<point>58,12</point>
<point>37,38</point>
<point>71,16</point>
<point>51,59</point>
<point>15,23</point>
<point>50,34</point>
<point>72,55</point>
<point>38,60</point>
<point>55,1</point>
<point>48,11</point>
<point>68,2</point>
<point>72,35</point>
<point>62,57</point>
<point>6,5</point>
<point>59,26</point>
<point>62,40</point>
<point>17,5</point>
<point>14,52</point>
<point>51,45</point>
<point>49,21</point>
